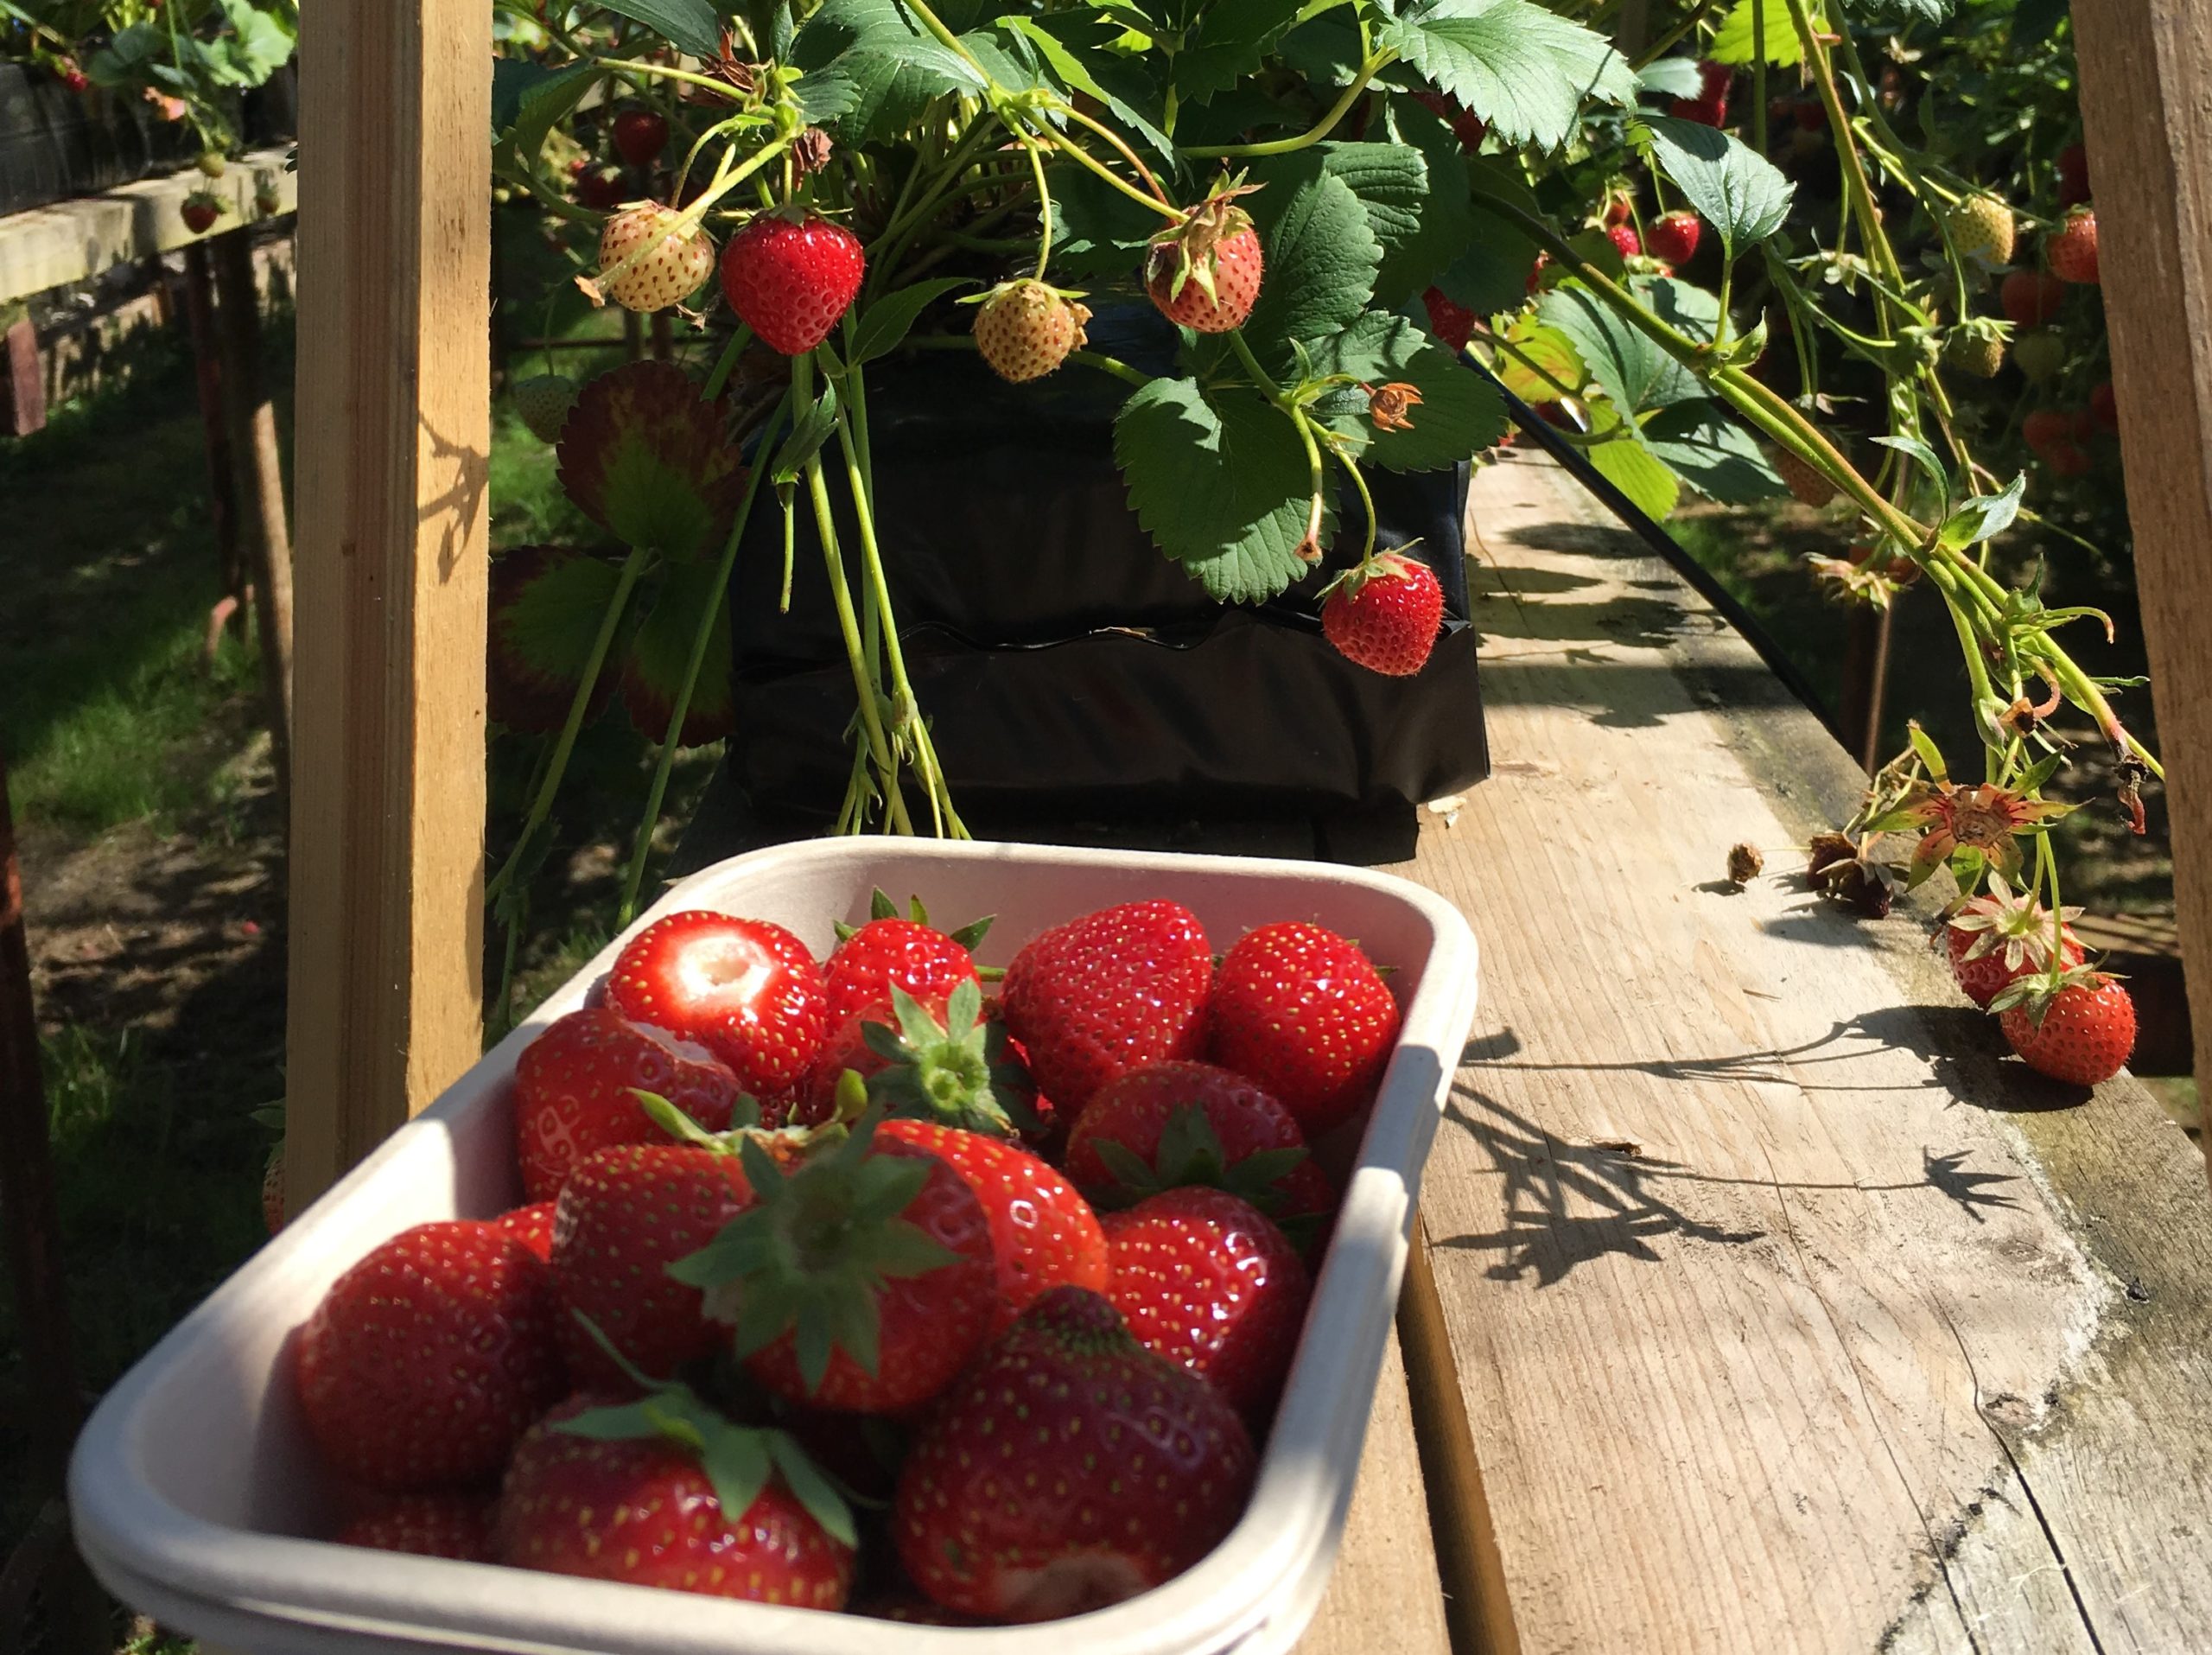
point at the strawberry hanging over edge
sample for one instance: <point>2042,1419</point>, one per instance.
<point>665,1491</point>
<point>2076,1025</point>
<point>1996,939</point>
<point>790,276</point>
<point>1383,615</point>
<point>1204,272</point>
<point>1091,1512</point>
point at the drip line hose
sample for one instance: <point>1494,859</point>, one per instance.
<point>1577,465</point>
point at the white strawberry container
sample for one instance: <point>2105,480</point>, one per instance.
<point>193,1486</point>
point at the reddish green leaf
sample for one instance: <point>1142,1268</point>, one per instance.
<point>546,606</point>
<point>652,673</point>
<point>644,455</point>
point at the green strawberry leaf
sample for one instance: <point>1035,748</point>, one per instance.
<point>546,606</point>
<point>1630,365</point>
<point>1630,467</point>
<point>1544,348</point>
<point>644,455</point>
<point>883,326</point>
<point>1491,271</point>
<point>971,936</point>
<point>1321,263</point>
<point>1670,76</point>
<point>528,99</point>
<point>881,906</point>
<point>1073,47</point>
<point>1732,42</point>
<point>1523,69</point>
<point>1392,183</point>
<point>1220,483</point>
<point>1098,233</point>
<point>1984,517</point>
<point>1224,44</point>
<point>1713,454</point>
<point>814,1492</point>
<point>660,653</point>
<point>1460,413</point>
<point>1447,227</point>
<point>736,1463</point>
<point>689,25</point>
<point>1742,195</point>
<point>814,426</point>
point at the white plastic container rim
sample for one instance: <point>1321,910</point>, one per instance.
<point>193,1481</point>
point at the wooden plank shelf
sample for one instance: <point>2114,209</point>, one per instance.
<point>76,240</point>
<point>1775,1310</point>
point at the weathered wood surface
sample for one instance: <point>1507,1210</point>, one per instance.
<point>394,437</point>
<point>75,241</point>
<point>1785,1316</point>
<point>2146,102</point>
<point>1384,1594</point>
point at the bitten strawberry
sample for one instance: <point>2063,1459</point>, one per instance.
<point>1035,1492</point>
<point>2078,1027</point>
<point>1025,330</point>
<point>542,401</point>
<point>648,261</point>
<point>1204,273</point>
<point>429,1525</point>
<point>1169,1125</point>
<point>577,1086</point>
<point>639,135</point>
<point>625,1215</point>
<point>1106,993</point>
<point>2001,935</point>
<point>428,1359</point>
<point>891,952</point>
<point>1203,1279</point>
<point>532,1226</point>
<point>790,278</point>
<point>1384,615</point>
<point>1453,323</point>
<point>2031,298</point>
<point>746,989</point>
<point>1043,1234</point>
<point>669,1494</point>
<point>2071,250</point>
<point>860,1280</point>
<point>1675,236</point>
<point>1301,1011</point>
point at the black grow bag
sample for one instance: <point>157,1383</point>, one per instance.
<point>56,143</point>
<point>1069,670</point>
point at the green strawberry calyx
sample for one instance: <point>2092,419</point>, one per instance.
<point>738,1460</point>
<point>2039,990</point>
<point>957,1073</point>
<point>813,1253</point>
<point>1190,1152</point>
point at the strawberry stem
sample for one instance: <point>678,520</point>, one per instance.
<point>1375,64</point>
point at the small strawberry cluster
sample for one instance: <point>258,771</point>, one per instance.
<point>2064,1018</point>
<point>845,1286</point>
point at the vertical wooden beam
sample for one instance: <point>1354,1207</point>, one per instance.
<point>22,382</point>
<point>2146,101</point>
<point>207,359</point>
<point>393,427</point>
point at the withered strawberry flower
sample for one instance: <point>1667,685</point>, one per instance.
<point>1388,406</point>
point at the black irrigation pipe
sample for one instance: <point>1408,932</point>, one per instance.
<point>1577,465</point>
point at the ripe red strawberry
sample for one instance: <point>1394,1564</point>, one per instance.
<point>1620,208</point>
<point>1623,237</point>
<point>428,1359</point>
<point>603,189</point>
<point>1466,126</point>
<point>1383,616</point>
<point>1106,993</point>
<point>625,1215</point>
<point>1025,330</point>
<point>1675,236</point>
<point>2047,429</point>
<point>790,279</point>
<point>1710,106</point>
<point>2079,1027</point>
<point>1998,938</point>
<point>576,1088</point>
<point>648,261</point>
<point>2071,250</point>
<point>679,1499</point>
<point>2031,298</point>
<point>890,952</point>
<point>1203,1279</point>
<point>1300,1010</point>
<point>746,989</point>
<point>2073,175</point>
<point>532,1226</point>
<point>1204,273</point>
<point>1043,1234</point>
<point>1033,1492</point>
<point>1171,1124</point>
<point>1453,323</point>
<point>932,1059</point>
<point>639,135</point>
<point>200,209</point>
<point>429,1525</point>
<point>860,1280</point>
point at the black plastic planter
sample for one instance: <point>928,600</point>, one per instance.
<point>1068,670</point>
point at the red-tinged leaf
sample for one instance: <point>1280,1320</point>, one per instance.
<point>652,672</point>
<point>644,455</point>
<point>546,606</point>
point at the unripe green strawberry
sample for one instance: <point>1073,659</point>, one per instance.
<point>2039,355</point>
<point>1025,330</point>
<point>211,163</point>
<point>1976,346</point>
<point>1981,227</point>
<point>543,402</point>
<point>648,261</point>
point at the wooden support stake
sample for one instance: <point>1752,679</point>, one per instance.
<point>259,475</point>
<point>2146,102</point>
<point>393,444</point>
<point>24,384</point>
<point>207,373</point>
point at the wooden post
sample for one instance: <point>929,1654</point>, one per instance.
<point>258,485</point>
<point>22,379</point>
<point>207,363</point>
<point>393,444</point>
<point>2146,102</point>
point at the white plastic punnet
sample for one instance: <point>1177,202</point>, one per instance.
<point>194,1491</point>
